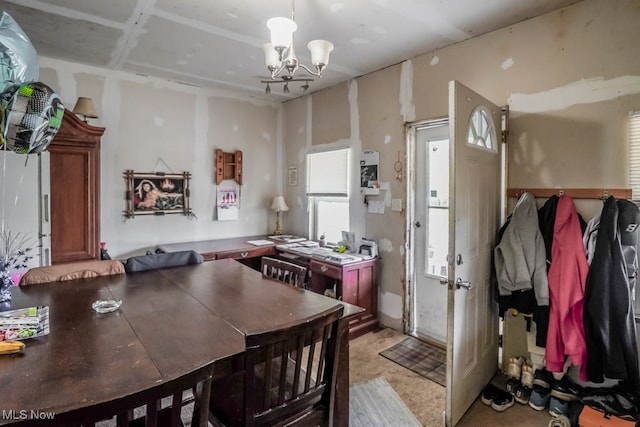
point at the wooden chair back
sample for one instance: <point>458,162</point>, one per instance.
<point>284,271</point>
<point>289,376</point>
<point>159,406</point>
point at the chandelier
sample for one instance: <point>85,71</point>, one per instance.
<point>280,55</point>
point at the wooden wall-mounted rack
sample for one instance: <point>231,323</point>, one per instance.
<point>575,193</point>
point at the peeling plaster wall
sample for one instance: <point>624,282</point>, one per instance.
<point>570,77</point>
<point>154,125</point>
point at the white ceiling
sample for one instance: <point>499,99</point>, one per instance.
<point>217,43</point>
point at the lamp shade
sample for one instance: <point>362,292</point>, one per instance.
<point>270,56</point>
<point>84,106</point>
<point>320,50</point>
<point>278,204</point>
<point>282,30</point>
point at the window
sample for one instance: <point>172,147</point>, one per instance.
<point>327,189</point>
<point>634,170</point>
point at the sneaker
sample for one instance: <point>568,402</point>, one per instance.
<point>539,399</point>
<point>512,385</point>
<point>561,421</point>
<point>502,401</point>
<point>543,378</point>
<point>514,369</point>
<point>489,393</point>
<point>527,375</point>
<point>522,395</point>
<point>565,389</point>
<point>558,407</point>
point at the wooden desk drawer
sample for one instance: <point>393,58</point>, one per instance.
<point>333,271</point>
<point>249,253</point>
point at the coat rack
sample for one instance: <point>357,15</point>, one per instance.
<point>574,193</point>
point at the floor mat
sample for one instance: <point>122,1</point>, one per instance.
<point>422,358</point>
<point>375,403</point>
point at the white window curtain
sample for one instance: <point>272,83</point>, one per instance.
<point>634,154</point>
<point>328,173</point>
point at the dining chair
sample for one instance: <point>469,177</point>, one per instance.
<point>161,405</point>
<point>284,271</point>
<point>162,260</point>
<point>70,271</point>
<point>288,377</point>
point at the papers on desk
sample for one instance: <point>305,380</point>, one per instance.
<point>288,238</point>
<point>260,242</point>
<point>24,323</point>
<point>312,250</point>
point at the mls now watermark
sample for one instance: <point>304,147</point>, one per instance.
<point>27,415</point>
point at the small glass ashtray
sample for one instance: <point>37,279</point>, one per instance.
<point>106,305</point>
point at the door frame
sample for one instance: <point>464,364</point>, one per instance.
<point>411,129</point>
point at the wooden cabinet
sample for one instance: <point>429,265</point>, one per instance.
<point>354,283</point>
<point>75,191</point>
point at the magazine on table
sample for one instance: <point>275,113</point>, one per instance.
<point>24,323</point>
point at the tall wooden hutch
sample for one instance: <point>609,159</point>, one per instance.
<point>75,191</point>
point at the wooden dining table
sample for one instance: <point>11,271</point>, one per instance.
<point>171,322</point>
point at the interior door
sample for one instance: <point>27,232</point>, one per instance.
<point>475,188</point>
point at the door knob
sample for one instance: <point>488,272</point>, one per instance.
<point>417,224</point>
<point>463,284</point>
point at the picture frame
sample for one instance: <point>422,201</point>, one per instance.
<point>156,193</point>
<point>293,176</point>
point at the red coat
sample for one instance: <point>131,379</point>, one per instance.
<point>566,277</point>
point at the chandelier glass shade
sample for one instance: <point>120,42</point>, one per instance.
<point>280,57</point>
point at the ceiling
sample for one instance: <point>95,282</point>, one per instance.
<point>218,43</point>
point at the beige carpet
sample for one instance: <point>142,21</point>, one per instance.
<point>424,397</point>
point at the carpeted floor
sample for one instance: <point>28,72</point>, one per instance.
<point>424,398</point>
<point>375,403</point>
<point>422,358</point>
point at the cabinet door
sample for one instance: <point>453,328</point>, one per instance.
<point>75,191</point>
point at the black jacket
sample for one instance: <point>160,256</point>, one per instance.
<point>608,312</point>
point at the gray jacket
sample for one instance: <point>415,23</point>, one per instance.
<point>520,258</point>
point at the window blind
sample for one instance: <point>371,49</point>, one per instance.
<point>634,154</point>
<point>328,173</point>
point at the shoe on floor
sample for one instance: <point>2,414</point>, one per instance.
<point>558,407</point>
<point>527,375</point>
<point>543,378</point>
<point>502,401</point>
<point>565,389</point>
<point>539,399</point>
<point>522,395</point>
<point>488,393</point>
<point>514,369</point>
<point>512,385</point>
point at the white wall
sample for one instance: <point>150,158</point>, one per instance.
<point>158,126</point>
<point>569,77</point>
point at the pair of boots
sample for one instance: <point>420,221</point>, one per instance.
<point>520,379</point>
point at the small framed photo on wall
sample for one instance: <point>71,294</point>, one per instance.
<point>293,176</point>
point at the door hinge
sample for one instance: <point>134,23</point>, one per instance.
<point>500,341</point>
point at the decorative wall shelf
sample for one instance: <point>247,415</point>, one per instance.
<point>228,166</point>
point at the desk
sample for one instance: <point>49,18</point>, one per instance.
<point>171,321</point>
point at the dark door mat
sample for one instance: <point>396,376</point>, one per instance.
<point>422,358</point>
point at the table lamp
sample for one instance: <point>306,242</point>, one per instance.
<point>278,205</point>
<point>84,107</point>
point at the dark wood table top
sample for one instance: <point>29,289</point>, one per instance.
<point>171,321</point>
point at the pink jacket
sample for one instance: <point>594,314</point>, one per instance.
<point>566,277</point>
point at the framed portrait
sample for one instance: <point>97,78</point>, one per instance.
<point>156,193</point>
